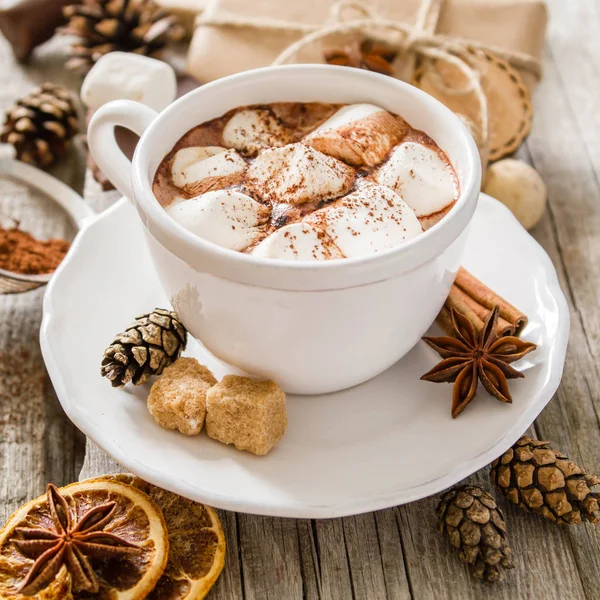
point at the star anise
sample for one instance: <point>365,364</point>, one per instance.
<point>470,357</point>
<point>368,54</point>
<point>69,542</point>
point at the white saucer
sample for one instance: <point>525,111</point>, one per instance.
<point>384,443</point>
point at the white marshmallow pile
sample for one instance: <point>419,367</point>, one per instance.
<point>372,219</point>
<point>358,134</point>
<point>225,217</point>
<point>254,129</point>
<point>298,241</point>
<point>296,174</point>
<point>354,216</point>
<point>194,165</point>
<point>420,176</point>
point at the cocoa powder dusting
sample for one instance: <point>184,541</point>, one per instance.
<point>20,252</point>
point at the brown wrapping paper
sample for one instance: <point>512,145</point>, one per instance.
<point>217,51</point>
<point>186,11</point>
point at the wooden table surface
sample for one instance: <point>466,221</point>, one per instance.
<point>395,553</point>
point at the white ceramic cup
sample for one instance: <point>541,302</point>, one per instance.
<point>312,327</point>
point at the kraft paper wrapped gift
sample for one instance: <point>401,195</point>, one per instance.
<point>242,41</point>
<point>186,11</point>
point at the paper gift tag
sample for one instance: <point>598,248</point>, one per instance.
<point>509,105</point>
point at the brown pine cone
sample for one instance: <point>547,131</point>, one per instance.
<point>475,526</point>
<point>41,125</point>
<point>542,480</point>
<point>103,26</point>
<point>153,342</point>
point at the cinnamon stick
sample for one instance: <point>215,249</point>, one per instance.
<point>475,300</point>
<point>488,298</point>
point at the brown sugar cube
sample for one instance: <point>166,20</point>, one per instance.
<point>178,398</point>
<point>247,413</point>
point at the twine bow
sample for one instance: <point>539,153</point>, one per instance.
<point>412,42</point>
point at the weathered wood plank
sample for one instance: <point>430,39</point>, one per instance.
<point>566,151</point>
<point>229,586</point>
<point>97,462</point>
<point>22,424</point>
<point>64,444</point>
<point>335,571</point>
<point>397,585</point>
<point>309,560</point>
<point>364,557</point>
<point>37,442</point>
<point>270,558</point>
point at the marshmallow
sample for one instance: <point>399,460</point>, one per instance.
<point>296,174</point>
<point>372,219</point>
<point>420,175</point>
<point>129,76</point>
<point>225,217</point>
<point>358,134</point>
<point>298,241</point>
<point>191,166</point>
<point>253,129</point>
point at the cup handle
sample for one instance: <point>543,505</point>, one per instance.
<point>103,145</point>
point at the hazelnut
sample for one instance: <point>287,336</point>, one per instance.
<point>519,187</point>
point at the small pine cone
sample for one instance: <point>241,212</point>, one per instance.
<point>41,125</point>
<point>542,480</point>
<point>104,26</point>
<point>145,348</point>
<point>475,526</point>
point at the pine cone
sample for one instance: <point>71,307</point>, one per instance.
<point>542,480</point>
<point>41,125</point>
<point>104,26</point>
<point>145,348</point>
<point>475,526</point>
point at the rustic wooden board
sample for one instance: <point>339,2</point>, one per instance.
<point>395,553</point>
<point>37,442</point>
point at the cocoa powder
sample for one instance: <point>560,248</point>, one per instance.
<point>20,252</point>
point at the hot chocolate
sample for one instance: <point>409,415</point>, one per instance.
<point>306,181</point>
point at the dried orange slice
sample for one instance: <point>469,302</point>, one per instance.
<point>96,539</point>
<point>196,542</point>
